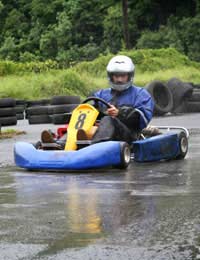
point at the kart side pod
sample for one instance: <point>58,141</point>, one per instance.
<point>162,147</point>
<point>105,154</point>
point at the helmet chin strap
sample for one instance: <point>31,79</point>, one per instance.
<point>120,87</point>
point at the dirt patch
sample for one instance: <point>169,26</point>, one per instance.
<point>10,133</point>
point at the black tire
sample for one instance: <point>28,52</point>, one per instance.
<point>39,119</point>
<point>20,116</point>
<point>20,102</point>
<point>195,96</point>
<point>45,102</point>
<point>41,102</point>
<point>162,97</point>
<point>7,111</point>
<point>59,100</point>
<point>6,121</point>
<point>19,109</point>
<point>192,107</point>
<point>60,119</point>
<point>37,110</point>
<point>31,103</point>
<point>180,91</point>
<point>196,86</point>
<point>125,154</point>
<point>182,108</point>
<point>183,145</point>
<point>7,102</point>
<point>60,109</point>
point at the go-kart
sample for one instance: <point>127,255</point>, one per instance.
<point>80,155</point>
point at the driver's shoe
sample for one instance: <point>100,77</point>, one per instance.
<point>47,137</point>
<point>81,135</point>
<point>151,131</point>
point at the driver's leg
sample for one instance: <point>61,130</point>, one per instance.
<point>112,129</point>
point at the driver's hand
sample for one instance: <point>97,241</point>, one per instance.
<point>112,111</point>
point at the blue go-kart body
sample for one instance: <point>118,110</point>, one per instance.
<point>93,156</point>
<point>166,146</point>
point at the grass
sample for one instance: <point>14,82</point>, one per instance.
<point>187,74</point>
<point>9,133</point>
<point>86,77</point>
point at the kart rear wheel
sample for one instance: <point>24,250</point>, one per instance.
<point>125,154</point>
<point>183,146</point>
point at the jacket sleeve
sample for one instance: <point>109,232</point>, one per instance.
<point>144,105</point>
<point>130,117</point>
<point>138,115</point>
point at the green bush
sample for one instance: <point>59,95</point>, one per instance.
<point>85,77</point>
<point>145,60</point>
<point>11,67</point>
<point>75,54</point>
<point>184,35</point>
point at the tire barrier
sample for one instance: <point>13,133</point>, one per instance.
<point>193,106</point>
<point>20,116</point>
<point>20,108</point>
<point>162,97</point>
<point>180,91</point>
<point>175,96</point>
<point>7,121</point>
<point>39,119</point>
<point>67,108</point>
<point>60,119</point>
<point>37,111</point>
<point>7,102</point>
<point>41,102</point>
<point>193,103</point>
<point>7,112</point>
<point>55,111</point>
<point>196,86</point>
<point>182,108</point>
<point>61,100</point>
<point>61,114</point>
<point>62,106</point>
<point>195,96</point>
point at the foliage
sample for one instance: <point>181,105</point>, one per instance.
<point>74,30</point>
<point>85,77</point>
<point>11,67</point>
<point>184,35</point>
<point>113,34</point>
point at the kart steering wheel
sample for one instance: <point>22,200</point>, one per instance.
<point>96,99</point>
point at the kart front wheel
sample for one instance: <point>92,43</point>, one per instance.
<point>125,154</point>
<point>183,145</point>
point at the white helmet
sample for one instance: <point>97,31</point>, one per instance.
<point>120,64</point>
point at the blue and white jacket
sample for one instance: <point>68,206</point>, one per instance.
<point>132,101</point>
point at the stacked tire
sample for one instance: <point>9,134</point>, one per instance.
<point>170,97</point>
<point>162,97</point>
<point>37,111</point>
<point>181,92</point>
<point>7,112</point>
<point>193,103</point>
<point>62,107</point>
<point>20,108</point>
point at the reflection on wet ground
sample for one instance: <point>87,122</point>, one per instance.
<point>150,211</point>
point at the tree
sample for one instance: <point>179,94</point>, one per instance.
<point>125,23</point>
<point>113,32</point>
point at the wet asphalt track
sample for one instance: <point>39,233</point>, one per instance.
<point>150,211</point>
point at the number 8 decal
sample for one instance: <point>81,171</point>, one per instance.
<point>80,122</point>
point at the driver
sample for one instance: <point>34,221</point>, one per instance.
<point>131,107</point>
